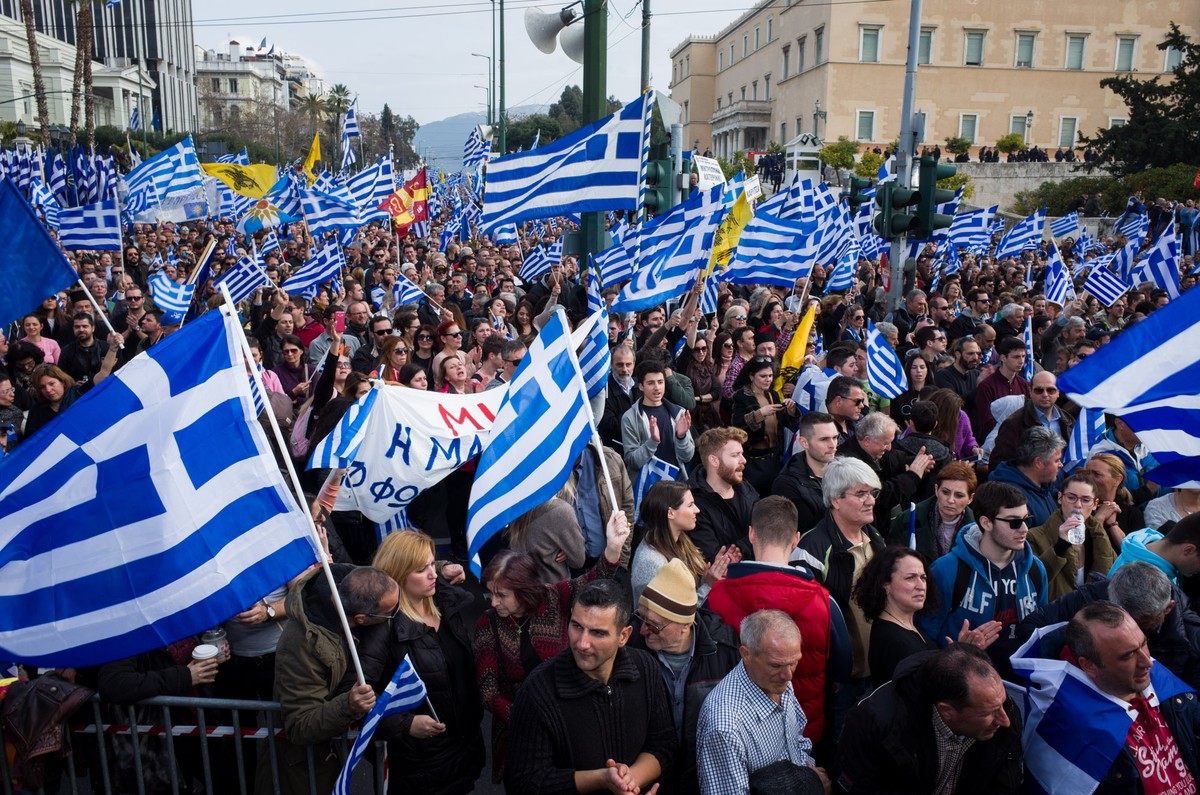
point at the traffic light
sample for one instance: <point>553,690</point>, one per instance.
<point>661,192</point>
<point>893,220</point>
<point>927,220</point>
<point>856,196</point>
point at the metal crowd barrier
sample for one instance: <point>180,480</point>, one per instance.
<point>239,731</point>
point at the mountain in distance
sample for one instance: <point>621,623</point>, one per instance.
<point>440,143</point>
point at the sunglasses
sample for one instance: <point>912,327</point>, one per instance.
<point>1014,522</point>
<point>655,628</point>
<point>400,351</point>
<point>453,334</point>
<point>1045,390</point>
<point>382,332</point>
<point>394,613</point>
<point>425,337</point>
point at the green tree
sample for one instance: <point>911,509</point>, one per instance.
<point>387,125</point>
<point>521,133</point>
<point>1164,117</point>
<point>568,111</point>
<point>868,165</point>
<point>1010,143</point>
<point>840,153</point>
<point>957,145</point>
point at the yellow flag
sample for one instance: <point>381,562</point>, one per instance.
<point>793,357</point>
<point>730,231</point>
<point>251,181</point>
<point>314,154</point>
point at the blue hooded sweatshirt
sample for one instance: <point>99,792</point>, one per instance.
<point>1133,550</point>
<point>1039,499</point>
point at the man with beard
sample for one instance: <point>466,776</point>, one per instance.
<point>723,497</point>
<point>622,392</point>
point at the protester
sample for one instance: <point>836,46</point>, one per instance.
<point>667,518</point>
<point>800,480</point>
<point>722,494</point>
<point>933,524</point>
<point>761,411</point>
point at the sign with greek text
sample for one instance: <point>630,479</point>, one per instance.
<point>413,439</point>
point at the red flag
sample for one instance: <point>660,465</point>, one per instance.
<point>409,204</point>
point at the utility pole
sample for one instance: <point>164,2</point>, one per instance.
<point>595,105</point>
<point>645,45</point>
<point>502,121</point>
<point>906,147</point>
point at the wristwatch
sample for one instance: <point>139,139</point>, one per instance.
<point>270,610</point>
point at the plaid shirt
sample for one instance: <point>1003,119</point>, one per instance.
<point>950,752</point>
<point>742,730</point>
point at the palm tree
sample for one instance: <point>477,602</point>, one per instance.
<point>337,101</point>
<point>83,43</point>
<point>35,60</point>
<point>315,107</point>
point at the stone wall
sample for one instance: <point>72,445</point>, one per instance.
<point>999,183</point>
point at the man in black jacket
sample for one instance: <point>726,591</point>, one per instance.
<point>1161,610</point>
<point>724,498</point>
<point>943,724</point>
<point>621,394</point>
<point>800,480</point>
<point>597,716</point>
<point>81,359</point>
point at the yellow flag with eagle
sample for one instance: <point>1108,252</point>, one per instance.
<point>249,181</point>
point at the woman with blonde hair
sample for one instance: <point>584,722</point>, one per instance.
<point>393,355</point>
<point>1114,503</point>
<point>442,755</point>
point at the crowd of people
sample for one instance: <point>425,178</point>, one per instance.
<point>826,597</point>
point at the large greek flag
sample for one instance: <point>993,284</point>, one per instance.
<point>593,168</point>
<point>150,510</point>
<point>1073,731</point>
<point>92,227</point>
<point>170,171</point>
<point>173,299</point>
<point>542,426</point>
<point>1161,265</point>
<point>972,230</point>
<point>1066,226</point>
<point>247,274</point>
<point>1147,375</point>
<point>1104,284</point>
<point>885,375</point>
<point>323,266</point>
<point>327,212</point>
<point>1027,234</point>
<point>405,692</point>
<point>371,187</point>
<point>1057,286</point>
<point>772,251</point>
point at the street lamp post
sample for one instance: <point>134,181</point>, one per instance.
<point>501,120</point>
<point>488,91</point>
<point>1028,126</point>
<point>818,115</point>
<point>595,105</point>
<point>491,83</point>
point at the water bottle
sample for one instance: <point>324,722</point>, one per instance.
<point>1077,533</point>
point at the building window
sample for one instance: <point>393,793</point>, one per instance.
<point>770,28</point>
<point>731,54</point>
<point>1016,124</point>
<point>718,103</point>
<point>967,124</point>
<point>1117,121</point>
<point>233,85</point>
<point>685,112</point>
<point>787,52</point>
<point>865,127</point>
<point>767,87</point>
<point>1173,58</point>
<point>1025,50</point>
<point>730,96</point>
<point>745,44</point>
<point>925,47</point>
<point>868,44</point>
<point>754,90</point>
<point>1125,53</point>
<point>819,47</point>
<point>217,115</point>
<point>235,113</point>
<point>687,65</point>
<point>721,61</point>
<point>973,51</point>
<point>1075,44</point>
<point>1066,132</point>
<point>801,46</point>
<point>216,85</point>
<point>743,93</point>
<point>783,132</point>
<point>756,42</point>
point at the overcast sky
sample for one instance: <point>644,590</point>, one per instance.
<point>415,55</point>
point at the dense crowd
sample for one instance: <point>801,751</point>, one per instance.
<point>826,596</point>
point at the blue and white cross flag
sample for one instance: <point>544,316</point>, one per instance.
<point>150,510</point>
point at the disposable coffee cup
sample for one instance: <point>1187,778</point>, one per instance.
<point>205,652</point>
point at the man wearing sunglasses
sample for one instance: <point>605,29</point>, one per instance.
<point>991,579</point>
<point>1041,409</point>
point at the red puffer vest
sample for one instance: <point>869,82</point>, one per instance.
<point>807,602</point>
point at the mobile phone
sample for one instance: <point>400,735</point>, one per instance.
<point>339,321</point>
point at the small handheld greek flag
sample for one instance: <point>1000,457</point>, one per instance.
<point>885,375</point>
<point>655,470</point>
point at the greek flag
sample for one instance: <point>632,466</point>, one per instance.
<point>125,527</point>
<point>1087,433</point>
<point>405,292</point>
<point>134,119</point>
<point>327,212</point>
<point>655,470</point>
<point>617,262</point>
<point>772,251</point>
<point>541,427</point>
<point>340,447</point>
<point>57,180</point>
<point>535,265</point>
<point>41,198</point>
<point>887,172</point>
<point>1147,376</point>
<point>270,243</point>
<point>476,150</point>
<point>972,230</point>
<point>1123,258</point>
<point>674,247</point>
<point>1105,285</point>
<point>1027,234</point>
<point>709,295</point>
<point>405,692</point>
<point>173,299</point>
<point>1058,288</point>
<point>1027,338</point>
<point>885,375</point>
<point>350,121</point>
<point>1073,731</point>
<point>595,358</point>
<point>92,227</point>
<point>505,235</point>
<point>872,246</point>
<point>842,277</point>
<point>232,206</point>
<point>371,187</point>
<point>241,158</point>
<point>246,275</point>
<point>811,387</point>
<point>1066,226</point>
<point>997,224</point>
<point>170,171</point>
<point>32,263</point>
<point>1136,227</point>
<point>593,168</point>
<point>1161,265</point>
<point>323,266</point>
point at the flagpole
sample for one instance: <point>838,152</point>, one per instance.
<point>612,494</point>
<point>229,310</point>
<point>99,309</point>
